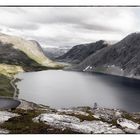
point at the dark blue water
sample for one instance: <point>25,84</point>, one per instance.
<point>62,89</point>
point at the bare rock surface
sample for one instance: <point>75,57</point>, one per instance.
<point>78,120</point>
<point>71,111</point>
<point>5,115</point>
<point>66,121</point>
<point>107,114</point>
<point>125,123</point>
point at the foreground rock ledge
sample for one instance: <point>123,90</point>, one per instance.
<point>43,119</point>
<point>66,121</point>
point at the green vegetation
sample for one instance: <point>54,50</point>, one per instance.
<point>101,69</point>
<point>6,75</point>
<point>130,117</point>
<point>22,59</point>
<point>23,124</point>
<point>82,118</point>
<point>6,88</point>
<point>10,70</point>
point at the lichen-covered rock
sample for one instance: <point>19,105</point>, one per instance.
<point>71,122</point>
<point>57,119</point>
<point>5,115</point>
<point>107,114</point>
<point>72,111</point>
<point>125,123</point>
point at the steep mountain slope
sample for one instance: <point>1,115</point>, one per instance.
<point>122,58</point>
<point>12,56</point>
<point>19,55</point>
<point>79,52</point>
<point>31,49</point>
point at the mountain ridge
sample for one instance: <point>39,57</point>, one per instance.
<point>29,49</point>
<point>79,52</point>
<point>121,58</point>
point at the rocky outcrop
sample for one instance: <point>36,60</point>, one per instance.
<point>79,52</point>
<point>125,123</point>
<point>71,122</point>
<point>32,118</point>
<point>5,115</point>
<point>91,120</point>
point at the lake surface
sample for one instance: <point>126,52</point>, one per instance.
<point>62,89</point>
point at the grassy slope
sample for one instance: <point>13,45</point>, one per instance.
<point>6,75</point>
<point>32,50</point>
<point>5,87</point>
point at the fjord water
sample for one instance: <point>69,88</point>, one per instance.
<point>63,89</point>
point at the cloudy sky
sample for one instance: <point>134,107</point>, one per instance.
<point>62,27</point>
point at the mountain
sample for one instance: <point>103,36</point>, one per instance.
<point>79,52</point>
<point>122,58</point>
<point>53,53</point>
<point>28,54</point>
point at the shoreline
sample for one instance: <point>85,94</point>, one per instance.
<point>132,81</point>
<point>12,82</point>
<point>41,119</point>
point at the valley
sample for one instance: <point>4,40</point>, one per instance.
<point>59,95</point>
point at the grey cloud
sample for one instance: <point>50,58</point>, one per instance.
<point>75,18</point>
<point>62,40</point>
<point>15,17</point>
<point>78,25</point>
<point>95,27</point>
<point>24,26</point>
<point>14,10</point>
<point>59,20</point>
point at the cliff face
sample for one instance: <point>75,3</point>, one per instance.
<point>79,52</point>
<point>122,58</point>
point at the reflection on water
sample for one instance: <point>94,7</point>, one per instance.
<point>61,89</point>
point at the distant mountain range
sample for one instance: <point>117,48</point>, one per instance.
<point>79,52</point>
<point>53,53</point>
<point>122,58</point>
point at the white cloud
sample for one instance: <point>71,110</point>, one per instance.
<point>69,26</point>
